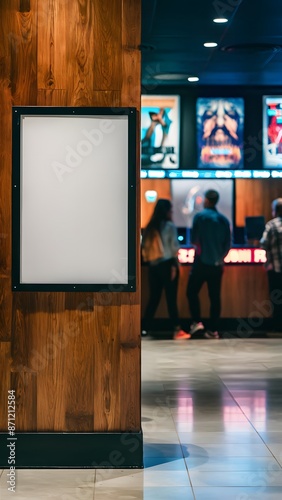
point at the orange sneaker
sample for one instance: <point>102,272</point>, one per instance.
<point>180,334</point>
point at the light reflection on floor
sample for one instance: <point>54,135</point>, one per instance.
<point>211,418</point>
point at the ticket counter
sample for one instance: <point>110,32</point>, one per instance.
<point>244,288</point>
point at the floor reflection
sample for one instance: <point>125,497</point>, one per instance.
<point>211,420</point>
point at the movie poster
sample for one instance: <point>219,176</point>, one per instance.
<point>159,132</point>
<point>220,127</point>
<point>272,131</point>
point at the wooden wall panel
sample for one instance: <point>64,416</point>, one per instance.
<point>107,62</point>
<point>107,98</point>
<point>52,28</point>
<point>23,57</point>
<point>254,197</point>
<point>131,55</point>
<point>81,39</point>
<point>244,293</point>
<point>21,340</point>
<point>5,385</point>
<point>5,309</point>
<point>25,387</point>
<point>47,353</point>
<point>75,359</point>
<point>108,375</point>
<point>163,191</point>
<point>79,374</point>
<point>52,97</point>
<point>130,410</point>
<point>7,41</point>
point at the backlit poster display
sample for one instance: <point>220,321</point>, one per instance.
<point>220,127</point>
<point>272,131</point>
<point>74,199</point>
<point>159,131</point>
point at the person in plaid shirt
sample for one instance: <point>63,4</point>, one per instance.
<point>271,241</point>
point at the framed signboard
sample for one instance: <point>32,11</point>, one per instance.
<point>220,131</point>
<point>160,131</point>
<point>74,199</point>
<point>272,132</point>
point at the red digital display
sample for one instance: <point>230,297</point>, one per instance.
<point>234,256</point>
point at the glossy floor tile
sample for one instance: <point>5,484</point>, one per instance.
<point>211,419</point>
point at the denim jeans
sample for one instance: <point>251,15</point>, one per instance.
<point>212,275</point>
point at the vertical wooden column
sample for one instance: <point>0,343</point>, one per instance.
<point>73,359</point>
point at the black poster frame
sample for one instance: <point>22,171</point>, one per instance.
<point>20,112</point>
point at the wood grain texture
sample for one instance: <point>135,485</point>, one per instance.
<point>23,58</point>
<point>244,293</point>
<point>20,331</point>
<point>24,6</point>
<point>107,62</point>
<point>51,30</point>
<point>79,373</point>
<point>70,353</point>
<point>254,197</point>
<point>6,34</point>
<point>53,97</point>
<point>106,98</point>
<point>5,385</point>
<point>25,387</point>
<point>131,55</point>
<point>163,190</point>
<point>130,385</point>
<point>47,352</point>
<point>5,309</point>
<point>108,374</point>
<point>80,52</point>
<point>79,301</point>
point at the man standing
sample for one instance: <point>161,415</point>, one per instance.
<point>271,241</point>
<point>211,237</point>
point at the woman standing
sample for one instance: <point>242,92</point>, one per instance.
<point>159,248</point>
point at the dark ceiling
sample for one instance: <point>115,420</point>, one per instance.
<point>249,50</point>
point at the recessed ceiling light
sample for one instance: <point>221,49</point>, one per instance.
<point>193,78</point>
<point>220,20</point>
<point>170,76</point>
<point>210,44</point>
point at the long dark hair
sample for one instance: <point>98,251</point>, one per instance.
<point>160,215</point>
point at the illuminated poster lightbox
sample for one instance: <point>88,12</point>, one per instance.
<point>220,130</point>
<point>160,129</point>
<point>74,197</point>
<point>272,132</point>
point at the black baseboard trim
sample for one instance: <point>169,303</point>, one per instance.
<point>111,450</point>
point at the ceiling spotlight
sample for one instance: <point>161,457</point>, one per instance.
<point>170,76</point>
<point>220,20</point>
<point>210,44</point>
<point>193,78</point>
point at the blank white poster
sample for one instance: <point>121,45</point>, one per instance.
<point>74,200</point>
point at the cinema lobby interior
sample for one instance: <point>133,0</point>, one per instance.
<point>107,108</point>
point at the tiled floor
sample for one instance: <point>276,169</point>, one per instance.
<point>211,418</point>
